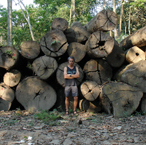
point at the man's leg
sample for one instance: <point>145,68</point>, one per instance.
<point>75,95</point>
<point>67,104</point>
<point>75,103</point>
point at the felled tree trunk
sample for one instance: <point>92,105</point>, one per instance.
<point>77,50</point>
<point>138,39</point>
<point>12,78</point>
<point>30,49</point>
<point>134,74</point>
<point>44,66</point>
<point>9,57</point>
<point>60,24</point>
<point>120,99</point>
<point>135,54</point>
<point>6,97</point>
<point>54,43</point>
<point>90,90</point>
<point>99,45</point>
<point>143,104</point>
<point>98,71</point>
<point>105,20</point>
<point>34,94</point>
<point>60,74</point>
<point>70,35</point>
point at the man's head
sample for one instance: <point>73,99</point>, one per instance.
<point>71,60</point>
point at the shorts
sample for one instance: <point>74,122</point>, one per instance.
<point>73,89</point>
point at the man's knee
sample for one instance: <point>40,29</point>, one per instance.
<point>76,98</point>
<point>67,98</point>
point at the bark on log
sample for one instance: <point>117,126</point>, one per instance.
<point>134,74</point>
<point>30,49</point>
<point>12,78</point>
<point>44,66</point>
<point>99,45</point>
<point>138,39</point>
<point>143,104</point>
<point>120,99</point>
<point>98,71</point>
<point>117,57</point>
<point>105,20</point>
<point>60,24</point>
<point>6,97</point>
<point>35,94</point>
<point>77,50</point>
<point>70,35</point>
<point>135,54</point>
<point>60,75</point>
<point>9,57</point>
<point>90,90</point>
<point>54,43</point>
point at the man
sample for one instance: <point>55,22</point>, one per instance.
<point>70,74</point>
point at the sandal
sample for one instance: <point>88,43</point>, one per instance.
<point>67,113</point>
<point>75,112</point>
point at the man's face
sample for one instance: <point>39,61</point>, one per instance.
<point>71,62</point>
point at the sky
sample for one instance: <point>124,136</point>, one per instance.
<point>4,3</point>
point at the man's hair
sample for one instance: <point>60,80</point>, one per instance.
<point>71,57</point>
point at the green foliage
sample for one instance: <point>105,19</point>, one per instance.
<point>10,53</point>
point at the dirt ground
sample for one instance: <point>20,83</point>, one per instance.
<point>24,128</point>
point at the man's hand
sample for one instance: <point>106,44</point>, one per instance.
<point>77,75</point>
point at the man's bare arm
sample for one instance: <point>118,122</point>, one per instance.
<point>67,76</point>
<point>77,75</point>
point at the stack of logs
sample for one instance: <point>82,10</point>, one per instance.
<point>112,76</point>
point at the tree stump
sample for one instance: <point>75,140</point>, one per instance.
<point>9,57</point>
<point>99,45</point>
<point>60,24</point>
<point>44,66</point>
<point>77,50</point>
<point>138,39</point>
<point>60,74</point>
<point>98,71</point>
<point>105,20</point>
<point>54,43</point>
<point>90,90</point>
<point>134,74</point>
<point>143,104</point>
<point>135,54</point>
<point>12,78</point>
<point>6,97</point>
<point>34,94</point>
<point>30,49</point>
<point>120,99</point>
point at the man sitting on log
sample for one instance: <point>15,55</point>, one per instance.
<point>70,74</point>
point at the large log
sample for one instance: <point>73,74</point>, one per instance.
<point>54,43</point>
<point>99,44</point>
<point>6,97</point>
<point>138,39</point>
<point>12,78</point>
<point>98,71</point>
<point>135,54</point>
<point>77,50</point>
<point>60,75</point>
<point>34,94</point>
<point>105,20</point>
<point>120,99</point>
<point>44,66</point>
<point>143,104</point>
<point>30,49</point>
<point>9,57</point>
<point>70,35</point>
<point>134,74</point>
<point>60,24</point>
<point>90,90</point>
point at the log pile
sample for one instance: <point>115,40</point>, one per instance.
<point>34,77</point>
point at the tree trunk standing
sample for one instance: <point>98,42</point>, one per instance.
<point>125,28</point>
<point>121,16</point>
<point>129,21</point>
<point>70,17</point>
<point>73,9</point>
<point>104,5</point>
<point>9,21</point>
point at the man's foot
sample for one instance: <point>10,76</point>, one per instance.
<point>75,112</point>
<point>66,113</point>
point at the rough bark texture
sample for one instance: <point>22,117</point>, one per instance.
<point>90,90</point>
<point>105,20</point>
<point>99,45</point>
<point>44,66</point>
<point>77,50</point>
<point>120,99</point>
<point>6,97</point>
<point>98,71</point>
<point>54,43</point>
<point>35,94</point>
<point>60,24</point>
<point>60,75</point>
<point>70,35</point>
<point>30,49</point>
<point>12,78</point>
<point>135,54</point>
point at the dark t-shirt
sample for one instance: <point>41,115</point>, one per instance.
<point>71,82</point>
